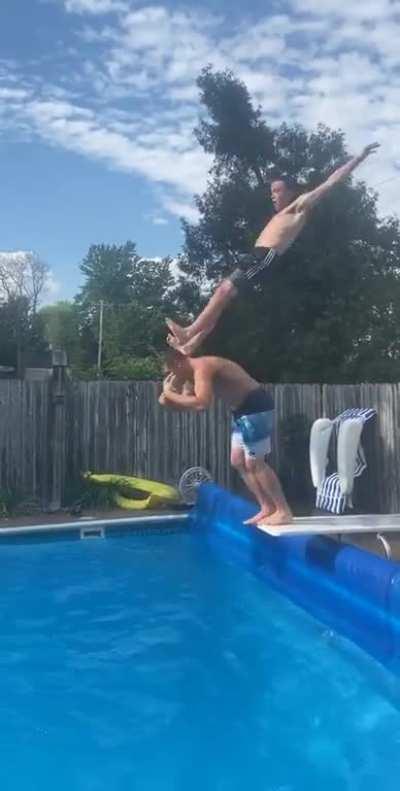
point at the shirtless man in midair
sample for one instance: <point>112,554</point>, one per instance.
<point>292,213</point>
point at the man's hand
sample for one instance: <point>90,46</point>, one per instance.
<point>167,381</point>
<point>310,199</point>
<point>370,149</point>
<point>170,384</point>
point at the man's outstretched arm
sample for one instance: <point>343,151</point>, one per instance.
<point>309,199</point>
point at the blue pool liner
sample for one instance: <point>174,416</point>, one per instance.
<point>350,590</point>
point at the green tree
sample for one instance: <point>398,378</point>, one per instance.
<point>23,274</point>
<point>330,310</point>
<point>21,333</point>
<point>137,294</point>
<point>61,328</point>
<point>107,270</point>
<point>23,278</point>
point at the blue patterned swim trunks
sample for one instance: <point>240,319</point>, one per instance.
<point>252,430</point>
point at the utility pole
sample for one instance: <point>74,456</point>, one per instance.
<point>100,345</point>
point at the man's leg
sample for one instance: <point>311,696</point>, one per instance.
<point>269,483</point>
<point>238,461</point>
<point>187,339</point>
<point>252,268</point>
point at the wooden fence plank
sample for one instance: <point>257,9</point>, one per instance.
<point>24,438</point>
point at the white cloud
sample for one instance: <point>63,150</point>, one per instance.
<point>181,208</point>
<point>52,289</point>
<point>94,6</point>
<point>7,94</point>
<point>369,10</point>
<point>162,159</point>
<point>156,46</point>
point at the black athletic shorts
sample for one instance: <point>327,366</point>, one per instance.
<point>258,400</point>
<point>253,267</point>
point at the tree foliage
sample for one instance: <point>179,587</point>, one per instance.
<point>23,278</point>
<point>21,335</point>
<point>61,328</point>
<point>137,295</point>
<point>23,275</point>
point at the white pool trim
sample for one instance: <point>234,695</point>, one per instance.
<point>110,524</point>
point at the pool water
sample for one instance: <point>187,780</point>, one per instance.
<point>147,663</point>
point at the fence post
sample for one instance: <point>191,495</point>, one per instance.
<point>57,428</point>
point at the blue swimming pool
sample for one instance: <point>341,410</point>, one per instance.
<point>153,662</point>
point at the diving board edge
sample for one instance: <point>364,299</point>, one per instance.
<point>333,526</point>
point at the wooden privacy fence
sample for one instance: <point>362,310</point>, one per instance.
<point>52,431</point>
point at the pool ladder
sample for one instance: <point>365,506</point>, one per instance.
<point>386,545</point>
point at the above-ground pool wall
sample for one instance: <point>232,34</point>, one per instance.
<point>350,590</point>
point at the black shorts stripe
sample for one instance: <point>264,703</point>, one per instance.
<point>255,270</point>
<point>253,266</point>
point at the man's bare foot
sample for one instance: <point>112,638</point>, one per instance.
<point>180,333</point>
<point>263,514</point>
<point>186,348</point>
<point>277,518</point>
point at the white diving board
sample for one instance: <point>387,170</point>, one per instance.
<point>335,525</point>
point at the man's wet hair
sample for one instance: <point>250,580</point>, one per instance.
<point>171,357</point>
<point>289,181</point>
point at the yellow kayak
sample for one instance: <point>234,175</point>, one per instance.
<point>157,493</point>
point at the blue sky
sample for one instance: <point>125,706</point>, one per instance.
<point>98,102</point>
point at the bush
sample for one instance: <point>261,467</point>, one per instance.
<point>133,368</point>
<point>8,502</point>
<point>82,493</point>
<point>122,368</point>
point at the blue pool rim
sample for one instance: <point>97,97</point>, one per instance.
<point>349,589</point>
